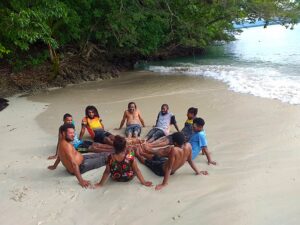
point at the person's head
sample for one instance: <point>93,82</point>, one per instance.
<point>164,109</point>
<point>68,118</point>
<point>178,139</point>
<point>91,112</point>
<point>198,124</point>
<point>131,106</point>
<point>192,113</point>
<point>119,144</point>
<point>68,131</point>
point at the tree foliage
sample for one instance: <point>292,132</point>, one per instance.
<point>127,27</point>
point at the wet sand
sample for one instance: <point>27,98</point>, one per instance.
<point>255,142</point>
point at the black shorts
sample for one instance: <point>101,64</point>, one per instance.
<point>100,135</point>
<point>156,164</point>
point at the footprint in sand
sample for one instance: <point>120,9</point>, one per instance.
<point>19,194</point>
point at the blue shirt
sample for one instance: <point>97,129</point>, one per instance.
<point>76,141</point>
<point>198,141</point>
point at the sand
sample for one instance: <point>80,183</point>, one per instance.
<point>255,142</point>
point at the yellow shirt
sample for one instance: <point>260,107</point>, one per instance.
<point>93,124</point>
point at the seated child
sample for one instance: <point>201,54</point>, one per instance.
<point>198,140</point>
<point>187,130</point>
<point>162,126</point>
<point>68,119</point>
<point>95,127</point>
<point>177,156</point>
<point>121,165</point>
<point>134,120</point>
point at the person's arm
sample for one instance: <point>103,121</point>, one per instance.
<point>102,124</point>
<point>168,170</point>
<point>206,152</point>
<point>173,121</point>
<point>53,167</point>
<point>83,183</point>
<point>104,177</point>
<point>139,175</point>
<point>156,119</point>
<point>58,140</point>
<point>122,121</point>
<point>194,167</point>
<point>176,127</point>
<point>82,131</point>
<point>141,119</point>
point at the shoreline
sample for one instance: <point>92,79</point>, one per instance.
<point>254,140</point>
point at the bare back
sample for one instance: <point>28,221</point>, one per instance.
<point>68,155</point>
<point>133,118</point>
<point>178,156</point>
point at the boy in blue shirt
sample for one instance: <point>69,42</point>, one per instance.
<point>198,140</point>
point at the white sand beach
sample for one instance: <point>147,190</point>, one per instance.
<point>255,142</point>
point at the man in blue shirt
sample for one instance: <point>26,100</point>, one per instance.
<point>198,140</point>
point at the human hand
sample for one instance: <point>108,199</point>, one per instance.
<point>84,183</point>
<point>97,185</point>
<point>52,157</point>
<point>52,167</point>
<point>202,173</point>
<point>148,183</point>
<point>212,162</point>
<point>159,187</point>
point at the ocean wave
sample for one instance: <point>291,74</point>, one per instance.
<point>266,82</point>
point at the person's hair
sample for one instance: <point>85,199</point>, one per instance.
<point>91,108</point>
<point>199,121</point>
<point>66,116</point>
<point>66,126</point>
<point>130,104</point>
<point>119,144</point>
<point>178,138</point>
<point>165,105</point>
<point>193,111</point>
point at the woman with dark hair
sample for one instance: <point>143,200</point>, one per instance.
<point>93,123</point>
<point>121,165</point>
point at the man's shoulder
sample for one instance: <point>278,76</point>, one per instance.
<point>187,146</point>
<point>65,146</point>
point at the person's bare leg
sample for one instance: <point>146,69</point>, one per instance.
<point>161,152</point>
<point>108,140</point>
<point>98,147</point>
<point>150,140</point>
<point>135,134</point>
<point>161,142</point>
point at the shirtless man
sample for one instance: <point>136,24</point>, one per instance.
<point>177,156</point>
<point>74,162</point>
<point>133,119</point>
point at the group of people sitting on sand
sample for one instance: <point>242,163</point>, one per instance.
<point>161,152</point>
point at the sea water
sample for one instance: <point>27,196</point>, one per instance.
<point>264,62</point>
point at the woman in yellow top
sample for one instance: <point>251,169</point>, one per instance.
<point>95,127</point>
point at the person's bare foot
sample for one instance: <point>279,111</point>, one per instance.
<point>212,162</point>
<point>52,157</point>
<point>138,155</point>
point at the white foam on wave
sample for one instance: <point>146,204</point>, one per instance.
<point>264,82</point>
